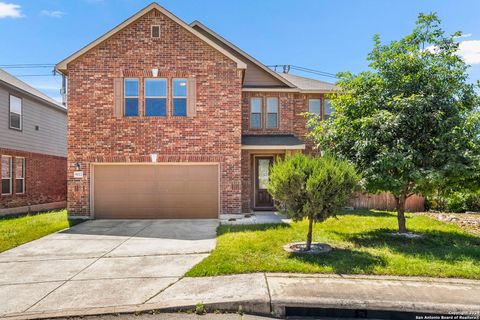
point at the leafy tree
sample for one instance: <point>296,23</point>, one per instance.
<point>410,124</point>
<point>313,188</point>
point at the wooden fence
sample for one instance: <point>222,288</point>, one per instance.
<point>386,201</point>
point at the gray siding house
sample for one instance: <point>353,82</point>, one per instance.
<point>33,148</point>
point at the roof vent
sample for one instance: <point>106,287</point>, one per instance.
<point>155,31</point>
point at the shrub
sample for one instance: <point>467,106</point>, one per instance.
<point>312,187</point>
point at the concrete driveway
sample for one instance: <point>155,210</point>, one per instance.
<point>101,263</point>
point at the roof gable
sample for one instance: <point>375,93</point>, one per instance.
<point>13,82</point>
<point>244,56</point>
<point>62,66</point>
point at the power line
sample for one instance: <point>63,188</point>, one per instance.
<point>27,65</point>
<point>35,75</point>
<point>287,68</point>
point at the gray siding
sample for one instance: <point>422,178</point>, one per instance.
<point>51,138</point>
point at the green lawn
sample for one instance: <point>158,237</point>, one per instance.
<point>18,230</point>
<point>362,243</point>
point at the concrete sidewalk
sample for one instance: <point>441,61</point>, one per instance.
<point>271,294</point>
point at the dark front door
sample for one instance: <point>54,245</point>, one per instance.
<point>263,200</point>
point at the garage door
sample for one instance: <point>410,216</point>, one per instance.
<point>155,191</point>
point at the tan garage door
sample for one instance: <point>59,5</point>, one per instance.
<point>155,191</point>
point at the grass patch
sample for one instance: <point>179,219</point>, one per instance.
<point>15,231</point>
<point>362,245</point>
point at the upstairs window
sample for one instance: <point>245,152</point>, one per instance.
<point>131,97</point>
<point>256,113</point>
<point>272,113</point>
<point>328,110</point>
<point>179,96</point>
<point>6,175</point>
<point>15,113</point>
<point>19,175</point>
<point>314,106</point>
<point>155,97</point>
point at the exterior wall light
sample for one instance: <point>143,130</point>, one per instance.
<point>154,157</point>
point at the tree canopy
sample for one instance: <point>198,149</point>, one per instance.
<point>410,123</point>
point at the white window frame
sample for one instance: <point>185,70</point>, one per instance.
<point>10,112</point>
<point>145,97</point>
<point>125,97</point>
<point>23,175</point>
<point>179,97</point>
<point>11,169</point>
<point>261,113</point>
<point>268,113</point>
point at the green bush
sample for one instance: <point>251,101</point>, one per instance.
<point>472,202</point>
<point>312,187</point>
<point>455,202</point>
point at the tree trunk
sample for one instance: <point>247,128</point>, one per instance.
<point>400,205</point>
<point>309,234</point>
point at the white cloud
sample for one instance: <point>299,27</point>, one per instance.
<point>52,14</point>
<point>10,10</point>
<point>469,50</point>
<point>465,35</point>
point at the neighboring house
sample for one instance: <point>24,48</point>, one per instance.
<point>170,120</point>
<point>33,148</point>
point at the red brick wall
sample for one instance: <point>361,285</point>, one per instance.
<point>45,179</point>
<point>291,120</point>
<point>95,135</point>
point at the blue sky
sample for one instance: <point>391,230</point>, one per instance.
<point>330,36</point>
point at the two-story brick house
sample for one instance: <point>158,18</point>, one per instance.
<point>170,120</point>
<point>33,148</point>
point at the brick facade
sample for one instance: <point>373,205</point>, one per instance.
<point>95,135</point>
<point>45,179</point>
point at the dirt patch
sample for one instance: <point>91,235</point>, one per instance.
<point>467,221</point>
<point>300,247</point>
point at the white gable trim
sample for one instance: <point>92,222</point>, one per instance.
<point>62,66</point>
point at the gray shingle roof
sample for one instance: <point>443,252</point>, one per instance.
<point>271,140</point>
<point>308,84</point>
<point>22,86</point>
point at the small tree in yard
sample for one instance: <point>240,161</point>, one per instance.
<point>312,187</point>
<point>411,124</point>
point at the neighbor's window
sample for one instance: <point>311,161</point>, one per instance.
<point>256,113</point>
<point>328,109</point>
<point>15,113</point>
<point>131,97</point>
<point>179,97</point>
<point>6,175</point>
<point>19,175</point>
<point>314,106</point>
<point>272,113</point>
<point>155,97</point>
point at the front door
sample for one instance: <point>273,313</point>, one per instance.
<point>263,200</point>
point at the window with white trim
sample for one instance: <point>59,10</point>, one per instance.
<point>19,175</point>
<point>272,112</point>
<point>6,175</point>
<point>15,112</point>
<point>179,96</point>
<point>256,113</point>
<point>155,97</point>
<point>131,97</point>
